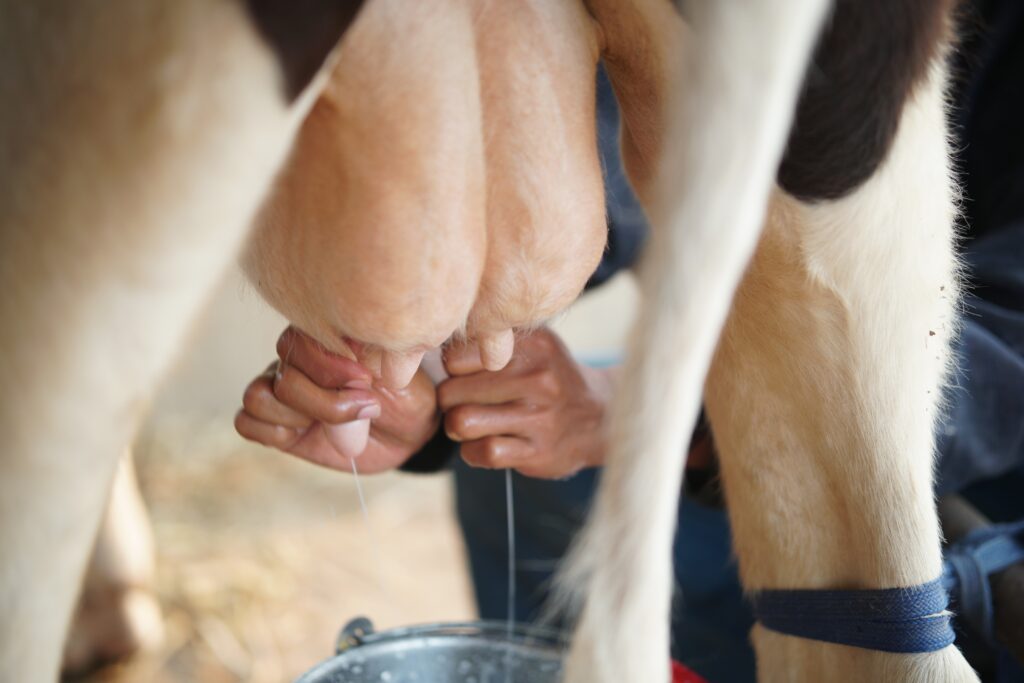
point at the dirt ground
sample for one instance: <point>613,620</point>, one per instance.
<point>263,558</point>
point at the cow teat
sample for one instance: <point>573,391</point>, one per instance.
<point>397,368</point>
<point>496,349</point>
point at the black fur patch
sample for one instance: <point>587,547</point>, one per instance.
<point>868,59</point>
<point>302,33</point>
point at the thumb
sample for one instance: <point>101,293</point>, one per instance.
<point>462,359</point>
<point>326,369</point>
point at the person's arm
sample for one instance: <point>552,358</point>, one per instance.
<point>436,455</point>
<point>982,436</point>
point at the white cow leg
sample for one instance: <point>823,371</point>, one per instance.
<point>824,392</point>
<point>118,613</point>
<point>706,208</point>
<point>136,140</point>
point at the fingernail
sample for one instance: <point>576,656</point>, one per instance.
<point>357,384</point>
<point>368,412</point>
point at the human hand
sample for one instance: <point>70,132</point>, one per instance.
<point>310,403</point>
<point>542,414</point>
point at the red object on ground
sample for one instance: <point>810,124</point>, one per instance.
<point>680,674</point>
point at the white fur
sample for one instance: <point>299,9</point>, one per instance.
<point>118,612</point>
<point>706,212</point>
<point>153,154</point>
<point>136,139</point>
<point>825,390</point>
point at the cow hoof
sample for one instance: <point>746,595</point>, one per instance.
<point>112,627</point>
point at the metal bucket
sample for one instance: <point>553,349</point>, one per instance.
<point>469,652</point>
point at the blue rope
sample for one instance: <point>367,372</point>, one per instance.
<point>912,619</point>
<point>907,620</point>
<point>969,563</point>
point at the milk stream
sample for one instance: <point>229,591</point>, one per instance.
<point>511,532</point>
<point>371,535</point>
<point>511,614</point>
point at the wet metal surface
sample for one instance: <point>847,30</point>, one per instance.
<point>477,652</point>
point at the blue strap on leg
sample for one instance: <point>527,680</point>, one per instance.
<point>912,619</point>
<point>907,620</point>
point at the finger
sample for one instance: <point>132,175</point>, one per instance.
<point>471,422</point>
<point>541,468</point>
<point>495,452</point>
<point>298,392</point>
<point>273,435</point>
<point>486,388</point>
<point>462,359</point>
<point>324,368</point>
<point>259,402</point>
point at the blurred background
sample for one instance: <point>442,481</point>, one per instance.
<point>262,557</point>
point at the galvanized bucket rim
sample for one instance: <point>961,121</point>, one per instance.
<point>354,634</point>
<point>359,632</point>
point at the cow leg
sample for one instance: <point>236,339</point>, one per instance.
<point>824,392</point>
<point>706,207</point>
<point>118,613</point>
<point>136,139</point>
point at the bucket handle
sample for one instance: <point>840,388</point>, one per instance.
<point>352,634</point>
